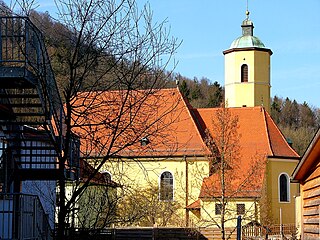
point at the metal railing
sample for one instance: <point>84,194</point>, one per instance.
<point>23,54</point>
<point>22,49</point>
<point>23,217</point>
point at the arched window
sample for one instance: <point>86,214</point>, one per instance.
<point>284,188</point>
<point>244,73</point>
<point>166,186</point>
<point>107,176</point>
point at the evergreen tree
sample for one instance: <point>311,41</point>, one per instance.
<point>184,89</point>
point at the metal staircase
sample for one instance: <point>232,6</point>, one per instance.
<point>31,111</point>
<point>31,129</point>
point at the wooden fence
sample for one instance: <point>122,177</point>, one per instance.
<point>151,234</point>
<point>165,233</point>
<point>276,231</point>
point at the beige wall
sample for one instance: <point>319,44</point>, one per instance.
<point>142,173</point>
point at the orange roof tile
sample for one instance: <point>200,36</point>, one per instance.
<point>259,138</point>
<point>194,205</point>
<point>278,143</point>
<point>86,170</point>
<point>118,120</point>
<point>258,131</point>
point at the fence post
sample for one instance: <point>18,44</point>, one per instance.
<point>239,228</point>
<point>281,229</point>
<point>113,235</point>
<point>155,233</point>
<point>1,40</point>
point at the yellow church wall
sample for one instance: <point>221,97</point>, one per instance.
<point>298,210</point>
<point>145,173</point>
<point>262,79</point>
<point>242,94</point>
<point>256,91</point>
<point>275,167</point>
<point>210,218</point>
<point>262,93</point>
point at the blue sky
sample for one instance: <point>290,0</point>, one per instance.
<point>290,28</point>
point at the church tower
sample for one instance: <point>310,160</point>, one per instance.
<point>247,70</point>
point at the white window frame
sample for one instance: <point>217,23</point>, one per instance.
<point>173,185</point>
<point>105,171</point>
<point>288,187</point>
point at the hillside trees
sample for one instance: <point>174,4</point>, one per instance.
<point>298,122</point>
<point>201,94</point>
<point>101,46</point>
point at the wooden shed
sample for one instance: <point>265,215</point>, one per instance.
<point>307,173</point>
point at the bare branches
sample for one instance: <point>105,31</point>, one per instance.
<point>232,175</point>
<point>112,67</point>
<point>110,60</point>
<point>119,37</point>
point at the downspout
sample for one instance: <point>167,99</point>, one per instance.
<point>187,191</point>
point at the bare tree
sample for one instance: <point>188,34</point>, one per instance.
<point>228,180</point>
<point>143,208</point>
<point>113,47</point>
<point>110,59</point>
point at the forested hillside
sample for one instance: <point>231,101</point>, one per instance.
<point>297,121</point>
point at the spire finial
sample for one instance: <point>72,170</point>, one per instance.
<point>247,11</point>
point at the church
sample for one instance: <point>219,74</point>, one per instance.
<point>175,163</point>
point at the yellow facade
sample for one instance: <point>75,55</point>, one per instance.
<point>283,210</point>
<point>255,92</point>
<point>210,218</point>
<point>267,208</point>
<point>188,174</point>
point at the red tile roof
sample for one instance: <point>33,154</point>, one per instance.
<point>259,137</point>
<point>257,129</point>
<point>86,170</point>
<point>123,118</point>
<point>194,205</point>
<point>118,120</point>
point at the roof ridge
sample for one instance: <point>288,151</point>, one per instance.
<point>122,90</point>
<point>281,134</point>
<point>191,114</point>
<point>267,129</point>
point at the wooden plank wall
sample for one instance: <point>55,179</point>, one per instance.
<point>311,205</point>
